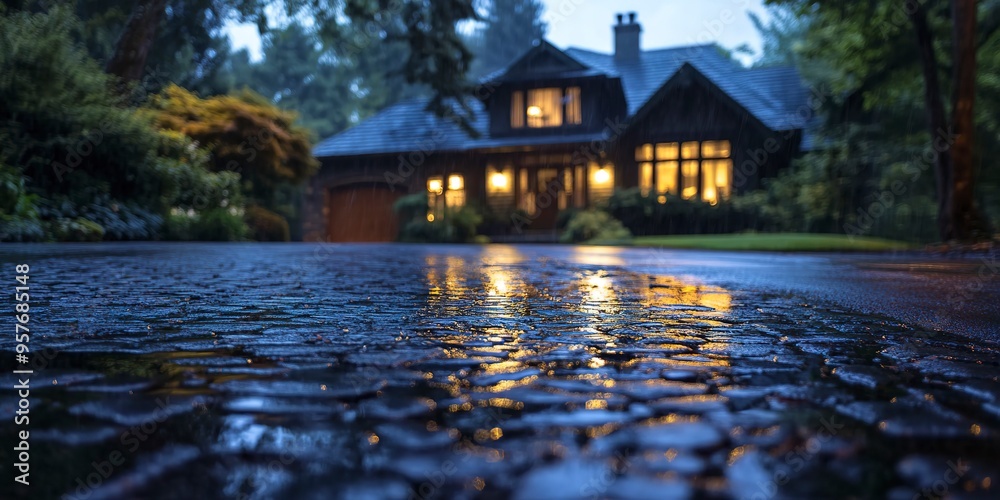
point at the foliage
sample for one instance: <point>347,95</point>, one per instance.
<point>190,48</point>
<point>594,226</point>
<point>454,226</point>
<point>509,29</point>
<point>868,53</point>
<point>774,242</point>
<point>265,225</point>
<point>645,215</point>
<point>217,224</point>
<point>244,132</point>
<point>247,136</point>
<point>78,229</point>
<point>299,72</point>
<point>81,162</point>
<point>18,215</point>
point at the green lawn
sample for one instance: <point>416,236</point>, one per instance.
<point>778,242</point>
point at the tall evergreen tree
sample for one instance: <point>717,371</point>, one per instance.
<point>509,29</point>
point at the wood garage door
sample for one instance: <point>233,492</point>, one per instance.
<point>362,213</point>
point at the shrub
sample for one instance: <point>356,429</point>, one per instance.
<point>78,229</point>
<point>645,215</point>
<point>18,215</point>
<point>177,226</point>
<point>265,225</point>
<point>454,226</point>
<point>218,224</point>
<point>594,226</point>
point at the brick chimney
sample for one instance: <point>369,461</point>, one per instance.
<point>627,38</point>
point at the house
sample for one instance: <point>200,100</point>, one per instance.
<point>563,129</point>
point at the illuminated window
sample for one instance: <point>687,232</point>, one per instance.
<point>716,180</point>
<point>667,151</point>
<point>687,168</point>
<point>666,177</point>
<point>689,179</point>
<point>443,195</point>
<point>435,198</point>
<point>715,149</point>
<point>716,171</point>
<point>545,108</point>
<point>645,178</point>
<point>455,194</point>
<point>574,108</point>
<point>644,153</point>
<point>548,107</point>
<point>517,110</point>
<point>661,174</point>
<point>689,150</point>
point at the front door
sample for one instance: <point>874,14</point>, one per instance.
<point>548,198</point>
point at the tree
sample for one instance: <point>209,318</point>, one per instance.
<point>877,46</point>
<point>129,59</point>
<point>509,29</point>
<point>298,72</point>
<point>437,56</point>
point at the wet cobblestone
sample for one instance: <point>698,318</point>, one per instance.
<point>483,372</point>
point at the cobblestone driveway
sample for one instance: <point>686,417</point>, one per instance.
<point>214,371</point>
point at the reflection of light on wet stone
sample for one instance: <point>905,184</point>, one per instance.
<point>77,437</point>
<point>147,468</point>
<point>697,405</point>
<point>132,411</point>
<point>411,436</point>
<point>748,475</point>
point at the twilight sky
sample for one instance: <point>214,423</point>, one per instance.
<point>587,23</point>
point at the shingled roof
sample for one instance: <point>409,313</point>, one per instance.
<point>774,95</point>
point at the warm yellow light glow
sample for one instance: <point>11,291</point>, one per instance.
<point>645,178</point>
<point>662,200</point>
<point>710,195</point>
<point>689,150</point>
<point>667,151</point>
<point>435,185</point>
<point>456,182</point>
<point>715,149</point>
<point>430,217</point>
<point>602,176</point>
<point>499,181</point>
<point>644,152</point>
<point>534,111</point>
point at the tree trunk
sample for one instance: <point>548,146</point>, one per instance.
<point>935,117</point>
<point>966,221</point>
<point>129,60</point>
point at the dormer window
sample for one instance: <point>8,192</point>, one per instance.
<point>546,107</point>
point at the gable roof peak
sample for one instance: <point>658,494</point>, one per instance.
<point>543,58</point>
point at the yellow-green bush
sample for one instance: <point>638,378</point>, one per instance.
<point>265,225</point>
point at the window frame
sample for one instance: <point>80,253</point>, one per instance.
<point>569,95</point>
<point>675,159</point>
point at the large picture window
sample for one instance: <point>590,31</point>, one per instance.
<point>546,107</point>
<point>688,169</point>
